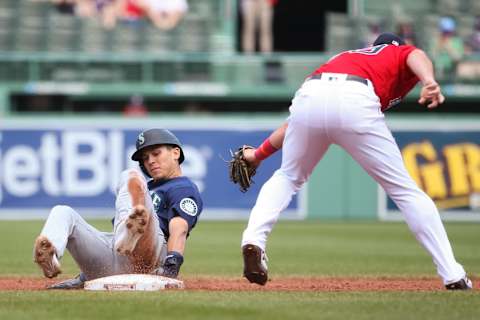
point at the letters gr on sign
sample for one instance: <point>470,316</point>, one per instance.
<point>80,168</point>
<point>446,165</point>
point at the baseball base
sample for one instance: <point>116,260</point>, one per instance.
<point>133,282</point>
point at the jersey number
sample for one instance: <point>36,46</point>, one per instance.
<point>370,51</point>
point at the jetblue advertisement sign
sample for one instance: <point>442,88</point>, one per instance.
<point>80,166</point>
<point>446,165</point>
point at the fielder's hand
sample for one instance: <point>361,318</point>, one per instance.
<point>431,95</point>
<point>243,166</point>
<point>249,156</point>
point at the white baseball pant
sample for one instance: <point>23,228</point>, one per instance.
<point>347,113</point>
<point>93,250</point>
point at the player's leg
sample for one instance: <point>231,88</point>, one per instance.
<point>375,149</point>
<point>249,14</point>
<point>90,248</point>
<point>266,17</point>
<point>137,232</point>
<point>303,146</point>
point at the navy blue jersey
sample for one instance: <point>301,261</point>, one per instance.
<point>177,197</point>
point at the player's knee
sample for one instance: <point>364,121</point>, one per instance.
<point>62,212</point>
<point>58,209</point>
<point>424,203</point>
<point>420,211</point>
<point>295,182</point>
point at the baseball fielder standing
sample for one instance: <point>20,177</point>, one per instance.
<point>151,224</point>
<point>342,103</point>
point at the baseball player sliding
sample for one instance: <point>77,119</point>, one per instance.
<point>342,102</point>
<point>151,224</point>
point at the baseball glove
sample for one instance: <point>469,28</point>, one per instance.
<point>240,170</point>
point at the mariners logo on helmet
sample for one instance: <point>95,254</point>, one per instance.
<point>189,206</point>
<point>141,139</point>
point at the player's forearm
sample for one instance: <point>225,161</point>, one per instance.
<point>277,136</point>
<point>178,229</point>
<point>272,144</point>
<point>422,66</point>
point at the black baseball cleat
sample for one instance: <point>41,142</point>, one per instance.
<point>70,284</point>
<point>462,284</point>
<point>254,264</point>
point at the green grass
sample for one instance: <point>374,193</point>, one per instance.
<point>294,248</point>
<point>239,305</point>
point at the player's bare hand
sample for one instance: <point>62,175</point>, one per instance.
<point>431,95</point>
<point>249,156</point>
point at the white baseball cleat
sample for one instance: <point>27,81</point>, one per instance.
<point>46,258</point>
<point>132,230</point>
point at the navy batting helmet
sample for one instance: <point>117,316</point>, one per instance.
<point>389,38</point>
<point>154,137</point>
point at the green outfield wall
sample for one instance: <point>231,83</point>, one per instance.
<point>340,189</point>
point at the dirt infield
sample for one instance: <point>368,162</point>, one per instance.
<point>276,284</point>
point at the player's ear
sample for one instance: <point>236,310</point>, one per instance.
<point>176,153</point>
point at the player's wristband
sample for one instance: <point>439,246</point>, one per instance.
<point>265,150</point>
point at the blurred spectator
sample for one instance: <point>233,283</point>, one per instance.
<point>164,14</point>
<point>106,11</point>
<point>374,29</point>
<point>447,6</point>
<point>473,42</point>
<point>257,16</point>
<point>130,10</point>
<point>403,24</point>
<point>81,8</point>
<point>406,31</point>
<point>448,48</point>
<point>135,107</point>
<point>469,69</point>
<point>85,8</point>
<point>64,6</point>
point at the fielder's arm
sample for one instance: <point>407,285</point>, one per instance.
<point>277,136</point>
<point>422,66</point>
<point>272,144</point>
